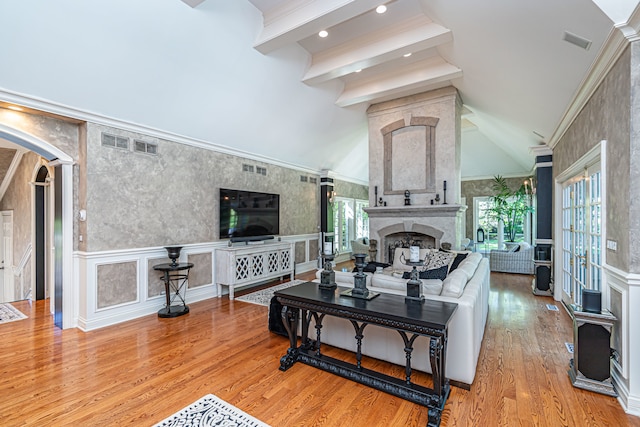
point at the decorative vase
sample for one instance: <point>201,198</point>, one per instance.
<point>360,281</point>
<point>174,253</point>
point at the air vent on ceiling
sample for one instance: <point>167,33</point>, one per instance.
<point>145,147</point>
<point>247,168</point>
<point>303,178</point>
<point>576,40</point>
<point>313,180</point>
<point>261,171</point>
<point>109,140</point>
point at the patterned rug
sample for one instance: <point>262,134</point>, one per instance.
<point>211,411</point>
<point>9,313</point>
<point>263,296</point>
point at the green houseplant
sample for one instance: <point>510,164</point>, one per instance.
<point>509,206</point>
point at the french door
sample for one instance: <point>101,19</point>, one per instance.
<point>581,234</point>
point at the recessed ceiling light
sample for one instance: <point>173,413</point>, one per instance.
<point>323,33</point>
<point>357,71</point>
<point>15,108</point>
<point>381,9</point>
<point>406,55</point>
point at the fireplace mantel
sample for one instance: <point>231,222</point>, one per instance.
<point>449,210</point>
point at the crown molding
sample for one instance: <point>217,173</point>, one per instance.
<point>617,41</point>
<point>65,111</point>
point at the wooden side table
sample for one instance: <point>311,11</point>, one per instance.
<point>590,367</point>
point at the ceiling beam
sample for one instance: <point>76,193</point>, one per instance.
<point>284,27</point>
<point>193,3</point>
<point>429,73</point>
<point>388,44</point>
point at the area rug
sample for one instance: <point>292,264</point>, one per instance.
<point>263,296</point>
<point>9,313</point>
<point>211,411</point>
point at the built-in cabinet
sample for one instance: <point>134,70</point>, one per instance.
<point>245,265</point>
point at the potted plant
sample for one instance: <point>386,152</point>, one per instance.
<point>509,206</point>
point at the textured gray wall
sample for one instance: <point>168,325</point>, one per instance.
<point>18,199</point>
<point>481,188</point>
<point>351,190</point>
<point>606,117</point>
<point>141,200</point>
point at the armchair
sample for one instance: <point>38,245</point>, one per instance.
<point>359,246</point>
<point>505,261</point>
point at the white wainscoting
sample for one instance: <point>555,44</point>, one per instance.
<point>88,316</point>
<point>626,373</point>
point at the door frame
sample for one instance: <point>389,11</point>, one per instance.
<point>597,153</point>
<point>67,290</point>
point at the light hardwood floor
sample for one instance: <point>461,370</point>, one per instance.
<point>142,371</point>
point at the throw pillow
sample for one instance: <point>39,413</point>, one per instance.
<point>440,258</point>
<point>457,260</point>
<point>434,273</point>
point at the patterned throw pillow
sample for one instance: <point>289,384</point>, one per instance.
<point>439,258</point>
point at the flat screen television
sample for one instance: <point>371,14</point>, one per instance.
<point>248,214</point>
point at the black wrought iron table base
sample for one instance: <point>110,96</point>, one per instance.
<point>175,277</point>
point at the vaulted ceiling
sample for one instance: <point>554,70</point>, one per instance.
<point>517,66</point>
<point>254,77</point>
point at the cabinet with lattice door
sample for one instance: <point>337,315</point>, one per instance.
<point>239,266</point>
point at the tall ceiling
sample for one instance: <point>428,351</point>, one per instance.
<point>254,78</point>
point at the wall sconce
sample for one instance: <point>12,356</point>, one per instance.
<point>331,195</point>
<point>529,187</point>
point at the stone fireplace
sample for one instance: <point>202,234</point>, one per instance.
<point>414,171</point>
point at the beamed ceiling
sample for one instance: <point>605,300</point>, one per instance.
<point>253,75</point>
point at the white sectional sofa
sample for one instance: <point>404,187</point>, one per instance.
<point>468,286</point>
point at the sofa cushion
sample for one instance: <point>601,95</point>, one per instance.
<point>431,286</point>
<point>470,264</point>
<point>454,284</point>
<point>384,282</point>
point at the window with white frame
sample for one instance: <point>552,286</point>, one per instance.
<point>350,221</point>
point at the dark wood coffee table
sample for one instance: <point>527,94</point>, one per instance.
<point>412,319</point>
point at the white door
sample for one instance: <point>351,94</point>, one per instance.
<point>581,234</point>
<point>6,258</point>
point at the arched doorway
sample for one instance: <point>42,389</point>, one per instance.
<point>64,290</point>
<point>41,242</point>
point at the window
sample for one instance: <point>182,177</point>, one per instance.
<point>350,221</point>
<point>482,218</point>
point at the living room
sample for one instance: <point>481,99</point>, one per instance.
<point>130,185</point>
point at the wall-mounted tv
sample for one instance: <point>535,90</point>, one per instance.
<point>247,214</point>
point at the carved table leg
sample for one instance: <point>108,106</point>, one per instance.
<point>290,322</point>
<point>359,335</point>
<point>408,349</point>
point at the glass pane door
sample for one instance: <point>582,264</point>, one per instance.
<point>581,235</point>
